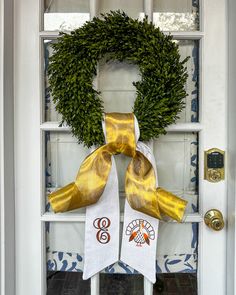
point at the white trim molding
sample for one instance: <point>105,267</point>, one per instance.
<point>179,127</point>
<point>7,211</point>
<point>231,225</point>
<point>30,262</point>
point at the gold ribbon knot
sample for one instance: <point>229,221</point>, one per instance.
<point>140,180</point>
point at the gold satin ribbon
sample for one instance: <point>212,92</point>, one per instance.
<point>140,182</point>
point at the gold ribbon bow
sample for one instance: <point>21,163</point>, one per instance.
<point>140,182</point>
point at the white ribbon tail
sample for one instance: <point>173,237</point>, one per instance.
<point>140,232</point>
<point>102,223</point>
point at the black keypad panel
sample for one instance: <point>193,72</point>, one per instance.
<point>215,160</point>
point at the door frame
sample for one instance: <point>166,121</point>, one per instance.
<point>7,202</point>
<point>231,226</point>
<point>9,184</point>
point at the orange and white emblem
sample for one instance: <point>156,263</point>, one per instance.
<point>140,231</point>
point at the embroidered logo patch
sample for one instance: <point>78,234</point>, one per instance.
<point>140,231</point>
<point>102,224</point>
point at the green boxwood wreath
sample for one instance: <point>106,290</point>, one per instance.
<point>73,66</point>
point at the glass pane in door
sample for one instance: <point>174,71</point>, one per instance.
<point>115,83</point>
<point>176,159</point>
<point>177,15</point>
<point>176,284</point>
<point>65,265</point>
<point>65,15</point>
<point>134,8</point>
<point>121,284</point>
<point>190,48</point>
<point>65,248</point>
<point>68,283</point>
<point>50,113</point>
<point>63,157</point>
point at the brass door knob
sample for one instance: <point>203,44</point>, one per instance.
<point>214,219</point>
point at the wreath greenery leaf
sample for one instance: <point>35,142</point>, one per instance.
<point>73,66</point>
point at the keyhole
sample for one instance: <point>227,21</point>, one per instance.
<point>216,224</point>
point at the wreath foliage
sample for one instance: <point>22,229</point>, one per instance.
<point>73,66</point>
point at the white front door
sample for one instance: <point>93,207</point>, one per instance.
<point>46,156</point>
